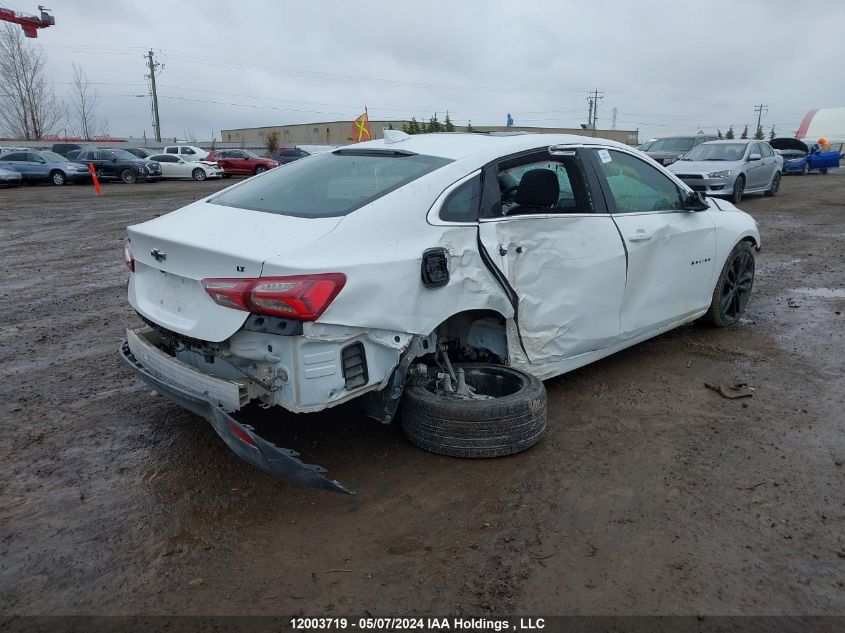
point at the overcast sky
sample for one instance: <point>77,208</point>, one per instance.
<point>668,66</point>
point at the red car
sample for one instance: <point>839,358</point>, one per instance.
<point>240,162</point>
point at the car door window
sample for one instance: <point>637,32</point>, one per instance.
<point>767,150</point>
<point>171,150</point>
<point>34,158</point>
<point>549,185</point>
<point>237,155</point>
<point>462,203</point>
<point>102,156</point>
<point>16,157</point>
<point>635,185</point>
<point>187,150</point>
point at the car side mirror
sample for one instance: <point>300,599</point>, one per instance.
<point>695,201</point>
<point>42,161</point>
<point>755,157</point>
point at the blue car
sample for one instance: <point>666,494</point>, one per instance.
<point>44,167</point>
<point>800,158</point>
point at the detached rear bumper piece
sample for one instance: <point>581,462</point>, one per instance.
<point>239,437</point>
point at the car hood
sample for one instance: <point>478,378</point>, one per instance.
<point>789,143</point>
<point>702,166</point>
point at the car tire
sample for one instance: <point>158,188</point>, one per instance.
<point>260,169</point>
<point>739,189</point>
<point>775,186</point>
<point>509,423</point>
<point>198,174</point>
<point>226,176</point>
<point>58,178</point>
<point>733,289</point>
<point>129,176</point>
<point>805,169</point>
<point>824,171</point>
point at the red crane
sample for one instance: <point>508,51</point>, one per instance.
<point>29,23</point>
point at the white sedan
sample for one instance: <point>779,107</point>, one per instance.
<point>173,166</point>
<point>451,271</point>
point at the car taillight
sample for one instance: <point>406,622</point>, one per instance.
<point>128,257</point>
<point>301,297</point>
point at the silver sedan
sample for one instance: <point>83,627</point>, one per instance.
<point>731,168</point>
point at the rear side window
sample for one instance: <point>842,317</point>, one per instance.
<point>462,203</point>
<point>172,150</point>
<point>329,184</point>
<point>20,156</point>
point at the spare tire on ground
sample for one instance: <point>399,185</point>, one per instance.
<point>510,420</point>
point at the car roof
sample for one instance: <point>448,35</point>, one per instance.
<point>457,145</point>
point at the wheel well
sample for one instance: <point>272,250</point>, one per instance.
<point>751,241</point>
<point>475,335</point>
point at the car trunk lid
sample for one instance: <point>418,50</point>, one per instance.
<point>175,252</point>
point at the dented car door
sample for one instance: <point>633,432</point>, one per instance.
<point>562,257</point>
<point>671,250</point>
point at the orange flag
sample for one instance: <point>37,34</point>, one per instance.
<point>361,128</point>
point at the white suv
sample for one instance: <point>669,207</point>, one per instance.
<point>186,152</point>
<point>458,269</point>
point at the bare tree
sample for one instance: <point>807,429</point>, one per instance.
<point>28,107</point>
<point>84,103</point>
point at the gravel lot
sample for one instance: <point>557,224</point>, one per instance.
<point>649,494</point>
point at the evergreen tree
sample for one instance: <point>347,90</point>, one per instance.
<point>434,124</point>
<point>719,134</point>
<point>759,134</point>
<point>448,126</point>
<point>772,134</point>
<point>424,128</point>
<point>729,135</point>
<point>745,132</point>
<point>413,126</point>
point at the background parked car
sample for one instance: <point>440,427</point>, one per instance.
<point>288,154</point>
<point>731,168</point>
<point>800,158</point>
<point>6,150</point>
<point>240,162</point>
<point>669,149</point>
<point>141,152</point>
<point>44,167</point>
<point>188,152</point>
<point>9,178</point>
<point>176,167</point>
<point>63,148</point>
<point>118,164</point>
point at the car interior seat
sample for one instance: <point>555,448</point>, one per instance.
<point>538,192</point>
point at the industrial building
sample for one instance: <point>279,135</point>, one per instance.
<point>340,133</point>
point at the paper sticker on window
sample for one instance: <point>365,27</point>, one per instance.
<point>604,155</point>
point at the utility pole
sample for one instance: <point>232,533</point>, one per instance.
<point>615,112</point>
<point>595,95</point>
<point>759,110</point>
<point>154,66</point>
<point>590,114</point>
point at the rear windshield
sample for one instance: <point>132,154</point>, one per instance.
<point>672,145</point>
<point>330,184</point>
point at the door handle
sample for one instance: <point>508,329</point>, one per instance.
<point>639,236</point>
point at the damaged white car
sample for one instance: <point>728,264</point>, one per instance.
<point>456,270</point>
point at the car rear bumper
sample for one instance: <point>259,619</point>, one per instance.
<point>209,397</point>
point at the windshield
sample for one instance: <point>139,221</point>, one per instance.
<point>717,151</point>
<point>647,145</point>
<point>122,154</point>
<point>52,157</point>
<point>672,145</point>
<point>330,184</point>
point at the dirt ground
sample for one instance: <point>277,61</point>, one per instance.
<point>650,493</point>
